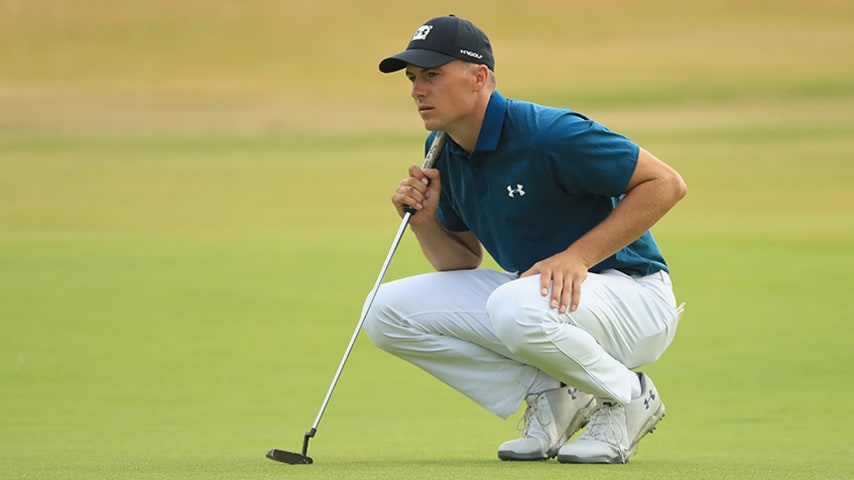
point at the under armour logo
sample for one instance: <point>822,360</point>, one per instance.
<point>422,32</point>
<point>512,192</point>
<point>649,399</point>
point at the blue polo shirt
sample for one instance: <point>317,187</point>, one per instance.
<point>538,179</point>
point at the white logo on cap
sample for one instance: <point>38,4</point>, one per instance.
<point>472,54</point>
<point>422,32</point>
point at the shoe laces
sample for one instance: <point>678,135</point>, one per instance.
<point>605,426</point>
<point>534,412</point>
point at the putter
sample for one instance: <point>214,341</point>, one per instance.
<point>294,458</point>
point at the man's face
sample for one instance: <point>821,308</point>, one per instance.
<point>445,95</point>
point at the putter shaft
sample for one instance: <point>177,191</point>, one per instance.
<point>294,458</point>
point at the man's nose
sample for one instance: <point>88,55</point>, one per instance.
<point>417,89</point>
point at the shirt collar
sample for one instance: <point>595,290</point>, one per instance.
<point>493,120</point>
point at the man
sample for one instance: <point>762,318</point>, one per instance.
<point>564,206</point>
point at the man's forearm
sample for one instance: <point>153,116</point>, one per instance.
<point>636,213</point>
<point>448,250</point>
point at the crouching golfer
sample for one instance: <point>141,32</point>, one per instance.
<point>564,206</point>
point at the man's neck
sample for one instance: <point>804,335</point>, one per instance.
<point>466,133</point>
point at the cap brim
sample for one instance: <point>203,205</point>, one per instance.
<point>419,58</point>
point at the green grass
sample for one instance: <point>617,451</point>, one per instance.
<point>192,211</point>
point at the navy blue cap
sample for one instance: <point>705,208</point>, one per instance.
<point>441,40</point>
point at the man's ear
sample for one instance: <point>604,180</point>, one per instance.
<point>481,76</point>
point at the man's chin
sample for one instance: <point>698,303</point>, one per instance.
<point>432,125</point>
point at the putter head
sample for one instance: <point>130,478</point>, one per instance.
<point>289,457</point>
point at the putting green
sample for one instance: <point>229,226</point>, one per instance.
<point>194,201</point>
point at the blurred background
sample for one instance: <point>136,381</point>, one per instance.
<point>264,71</point>
<point>194,200</point>
<point>280,66</point>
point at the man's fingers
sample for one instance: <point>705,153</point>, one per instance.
<point>545,280</point>
<point>576,298</point>
<point>412,192</point>
<point>416,172</point>
<point>557,290</point>
<point>562,276</point>
<point>568,297</point>
<point>566,294</point>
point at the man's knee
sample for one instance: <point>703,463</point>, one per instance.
<point>511,316</point>
<point>379,322</point>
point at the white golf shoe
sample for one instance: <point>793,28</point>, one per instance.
<point>615,430</point>
<point>550,419</point>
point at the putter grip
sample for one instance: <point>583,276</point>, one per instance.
<point>430,160</point>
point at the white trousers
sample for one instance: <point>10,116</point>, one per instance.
<point>489,334</point>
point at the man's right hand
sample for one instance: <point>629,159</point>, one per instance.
<point>420,190</point>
